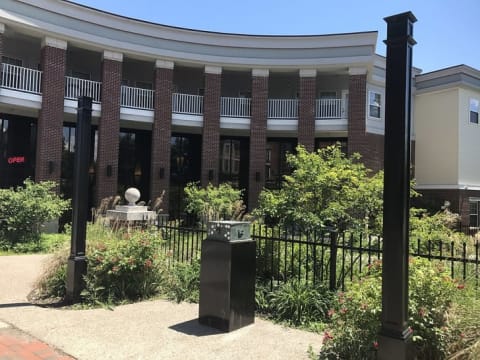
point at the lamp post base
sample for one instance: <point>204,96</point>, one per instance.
<point>76,269</point>
<point>396,347</point>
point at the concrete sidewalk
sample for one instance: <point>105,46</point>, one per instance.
<point>147,330</point>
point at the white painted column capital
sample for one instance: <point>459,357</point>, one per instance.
<point>164,64</point>
<point>216,70</point>
<point>56,43</point>
<point>307,72</point>
<point>112,55</point>
<point>260,72</point>
<point>357,71</point>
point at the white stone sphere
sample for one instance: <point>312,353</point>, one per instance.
<point>132,195</point>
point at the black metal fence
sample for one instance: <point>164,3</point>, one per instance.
<point>285,253</point>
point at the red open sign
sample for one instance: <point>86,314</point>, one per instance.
<point>16,160</point>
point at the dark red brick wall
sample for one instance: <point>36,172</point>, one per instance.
<point>50,119</point>
<point>306,113</point>
<point>459,201</point>
<point>211,128</point>
<point>108,130</point>
<point>370,146</point>
<point>1,48</point>
<point>372,155</point>
<point>161,135</point>
<point>258,139</point>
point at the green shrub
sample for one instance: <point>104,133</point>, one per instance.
<point>214,202</point>
<point>295,302</point>
<point>25,209</point>
<point>183,282</point>
<point>356,316</point>
<point>434,229</point>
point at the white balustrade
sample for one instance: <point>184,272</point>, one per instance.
<point>187,104</point>
<point>137,98</point>
<point>21,78</point>
<point>75,87</point>
<point>282,108</point>
<point>235,107</point>
<point>328,108</point>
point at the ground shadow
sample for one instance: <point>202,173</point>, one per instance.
<point>13,305</point>
<point>193,327</point>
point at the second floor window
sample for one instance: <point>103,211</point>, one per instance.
<point>474,212</point>
<point>474,111</point>
<point>375,104</point>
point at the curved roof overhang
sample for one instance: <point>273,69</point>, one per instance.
<point>97,30</point>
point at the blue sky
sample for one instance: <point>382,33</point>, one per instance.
<point>447,31</point>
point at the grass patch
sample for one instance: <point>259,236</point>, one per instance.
<point>48,243</point>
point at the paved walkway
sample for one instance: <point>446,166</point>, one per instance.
<point>147,330</point>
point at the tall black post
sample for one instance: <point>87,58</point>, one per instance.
<point>77,263</point>
<point>395,335</point>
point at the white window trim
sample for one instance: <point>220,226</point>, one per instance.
<point>477,201</point>
<point>474,109</point>
<point>380,105</point>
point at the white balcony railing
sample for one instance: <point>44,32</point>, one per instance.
<point>282,108</point>
<point>329,108</point>
<point>187,104</point>
<point>137,98</point>
<point>21,78</point>
<point>235,107</point>
<point>75,87</point>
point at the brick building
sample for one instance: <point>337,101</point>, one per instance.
<point>173,105</point>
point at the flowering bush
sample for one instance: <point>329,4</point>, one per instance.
<point>121,266</point>
<point>129,268</point>
<point>356,314</point>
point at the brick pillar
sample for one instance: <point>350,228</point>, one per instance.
<point>211,126</point>
<point>258,135</point>
<point>161,132</point>
<point>306,118</point>
<point>50,120</point>
<point>370,146</point>
<point>109,127</point>
<point>357,112</point>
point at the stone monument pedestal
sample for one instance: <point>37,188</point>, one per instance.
<point>131,214</point>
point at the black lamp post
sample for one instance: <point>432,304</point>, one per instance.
<point>395,335</point>
<point>77,262</point>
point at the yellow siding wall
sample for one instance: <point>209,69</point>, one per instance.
<point>469,157</point>
<point>436,134</point>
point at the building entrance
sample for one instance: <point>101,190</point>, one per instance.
<point>17,149</point>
